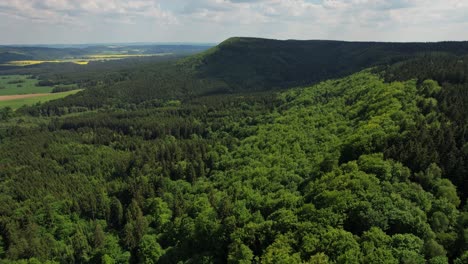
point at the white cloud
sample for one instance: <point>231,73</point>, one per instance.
<point>213,20</point>
<point>53,11</point>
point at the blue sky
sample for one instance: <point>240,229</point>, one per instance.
<point>104,21</point>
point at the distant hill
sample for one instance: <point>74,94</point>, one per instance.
<point>259,64</point>
<point>12,53</point>
<point>239,65</point>
<point>36,53</point>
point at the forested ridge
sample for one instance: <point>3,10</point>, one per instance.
<point>365,168</point>
<point>236,65</point>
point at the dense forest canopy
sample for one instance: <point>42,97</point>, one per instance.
<point>203,160</point>
<point>259,64</point>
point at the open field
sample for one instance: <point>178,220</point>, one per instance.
<point>21,84</point>
<point>18,101</point>
<point>34,62</point>
<point>82,60</point>
<point>20,96</point>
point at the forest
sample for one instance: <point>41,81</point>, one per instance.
<point>261,159</point>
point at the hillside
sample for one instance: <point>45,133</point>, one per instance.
<point>308,174</point>
<point>184,162</point>
<point>259,64</point>
<point>242,65</point>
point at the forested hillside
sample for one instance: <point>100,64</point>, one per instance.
<point>165,163</point>
<point>236,65</point>
<point>259,64</point>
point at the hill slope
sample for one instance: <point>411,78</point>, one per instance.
<point>370,168</point>
<point>249,64</point>
<point>303,175</point>
<point>258,64</point>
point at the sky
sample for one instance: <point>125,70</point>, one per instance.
<point>212,21</point>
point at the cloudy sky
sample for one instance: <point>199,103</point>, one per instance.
<point>104,21</point>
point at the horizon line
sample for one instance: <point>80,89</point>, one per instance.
<point>136,43</point>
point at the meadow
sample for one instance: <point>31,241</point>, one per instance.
<point>19,90</point>
<point>17,103</point>
<point>21,84</point>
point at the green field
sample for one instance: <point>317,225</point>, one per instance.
<point>21,84</point>
<point>17,103</point>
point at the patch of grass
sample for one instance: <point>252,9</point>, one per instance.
<point>21,84</point>
<point>15,81</point>
<point>17,103</point>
